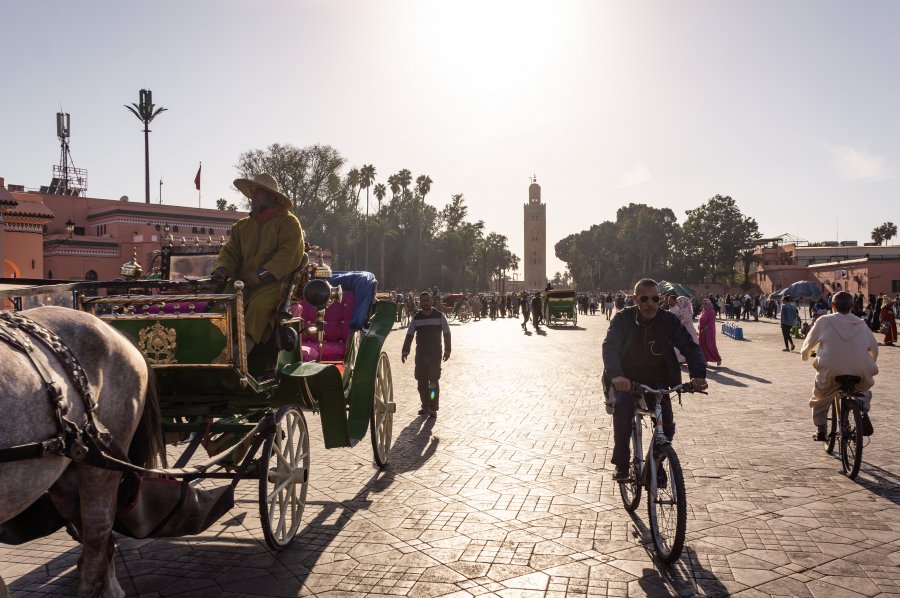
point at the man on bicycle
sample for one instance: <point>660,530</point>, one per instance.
<point>843,346</point>
<point>639,347</point>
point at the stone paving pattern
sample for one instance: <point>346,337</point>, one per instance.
<point>509,492</point>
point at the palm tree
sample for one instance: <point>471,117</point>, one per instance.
<point>888,231</point>
<point>380,191</point>
<point>353,179</point>
<point>145,112</point>
<point>404,178</point>
<point>423,187</point>
<point>394,184</point>
<point>383,228</point>
<point>366,178</point>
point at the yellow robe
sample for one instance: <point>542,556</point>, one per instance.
<point>275,245</point>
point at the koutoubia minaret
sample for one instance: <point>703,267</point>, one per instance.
<point>535,239</point>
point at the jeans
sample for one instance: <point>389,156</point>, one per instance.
<point>623,415</point>
<point>786,333</point>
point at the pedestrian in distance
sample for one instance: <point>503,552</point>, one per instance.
<point>428,326</point>
<point>789,316</point>
<point>526,310</point>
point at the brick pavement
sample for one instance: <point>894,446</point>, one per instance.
<point>509,493</point>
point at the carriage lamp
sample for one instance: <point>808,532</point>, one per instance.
<point>70,227</point>
<point>132,269</point>
<point>320,294</point>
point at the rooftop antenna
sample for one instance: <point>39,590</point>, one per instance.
<point>67,180</point>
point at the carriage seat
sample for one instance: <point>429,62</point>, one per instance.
<point>337,329</point>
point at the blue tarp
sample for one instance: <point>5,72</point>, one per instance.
<point>363,285</point>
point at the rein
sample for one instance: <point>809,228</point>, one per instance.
<point>71,441</point>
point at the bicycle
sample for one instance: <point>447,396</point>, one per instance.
<point>659,472</point>
<point>844,422</point>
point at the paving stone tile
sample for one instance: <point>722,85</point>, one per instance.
<point>509,492</point>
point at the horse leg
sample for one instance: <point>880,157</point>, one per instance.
<point>97,489</point>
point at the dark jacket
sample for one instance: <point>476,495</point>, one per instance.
<point>669,332</point>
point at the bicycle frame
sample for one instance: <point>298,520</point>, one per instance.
<point>659,437</point>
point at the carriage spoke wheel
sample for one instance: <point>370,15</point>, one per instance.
<point>381,424</point>
<point>284,477</point>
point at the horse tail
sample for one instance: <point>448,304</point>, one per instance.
<point>147,446</point>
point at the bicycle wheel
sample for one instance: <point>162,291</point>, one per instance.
<point>667,504</point>
<point>851,438</point>
<point>631,490</point>
<point>831,426</point>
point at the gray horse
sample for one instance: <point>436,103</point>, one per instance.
<point>84,495</point>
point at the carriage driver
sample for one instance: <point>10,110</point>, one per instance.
<point>263,250</point>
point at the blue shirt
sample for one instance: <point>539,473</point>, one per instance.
<point>789,314</point>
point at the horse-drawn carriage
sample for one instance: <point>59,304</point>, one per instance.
<point>456,307</point>
<point>559,307</point>
<point>245,408</point>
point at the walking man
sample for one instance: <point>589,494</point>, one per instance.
<point>789,316</point>
<point>428,325</point>
<point>526,310</point>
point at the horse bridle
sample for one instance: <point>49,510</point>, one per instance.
<point>71,441</point>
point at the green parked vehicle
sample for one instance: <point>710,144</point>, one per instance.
<point>560,307</point>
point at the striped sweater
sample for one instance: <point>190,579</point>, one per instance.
<point>428,330</point>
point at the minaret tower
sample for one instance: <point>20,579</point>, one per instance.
<point>535,239</point>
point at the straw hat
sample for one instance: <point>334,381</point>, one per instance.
<point>263,181</point>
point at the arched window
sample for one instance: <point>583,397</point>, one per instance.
<point>90,275</point>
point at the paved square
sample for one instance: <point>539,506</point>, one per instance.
<point>509,492</point>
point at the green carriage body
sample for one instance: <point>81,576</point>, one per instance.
<point>560,306</point>
<point>202,371</point>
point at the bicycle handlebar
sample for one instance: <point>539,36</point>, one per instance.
<point>680,388</point>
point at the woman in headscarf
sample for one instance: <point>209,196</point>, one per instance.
<point>708,333</point>
<point>888,321</point>
<point>685,312</point>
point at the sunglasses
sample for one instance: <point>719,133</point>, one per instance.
<point>645,298</point>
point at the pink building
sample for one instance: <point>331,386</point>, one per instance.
<point>35,240</point>
<point>868,275</point>
<point>836,266</point>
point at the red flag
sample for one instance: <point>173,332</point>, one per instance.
<point>197,178</point>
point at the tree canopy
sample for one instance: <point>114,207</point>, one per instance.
<point>712,244</point>
<point>415,244</point>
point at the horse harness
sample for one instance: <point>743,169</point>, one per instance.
<point>91,440</point>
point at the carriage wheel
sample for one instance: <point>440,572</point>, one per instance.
<point>465,314</point>
<point>284,477</point>
<point>381,424</point>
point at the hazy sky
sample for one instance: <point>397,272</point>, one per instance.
<point>792,108</point>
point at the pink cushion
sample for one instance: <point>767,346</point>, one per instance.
<point>309,351</point>
<point>337,327</point>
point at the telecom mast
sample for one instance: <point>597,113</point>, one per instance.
<point>67,180</point>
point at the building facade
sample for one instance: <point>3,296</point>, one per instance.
<point>835,266</point>
<point>535,257</point>
<point>64,237</point>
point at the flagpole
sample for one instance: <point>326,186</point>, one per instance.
<point>199,185</point>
